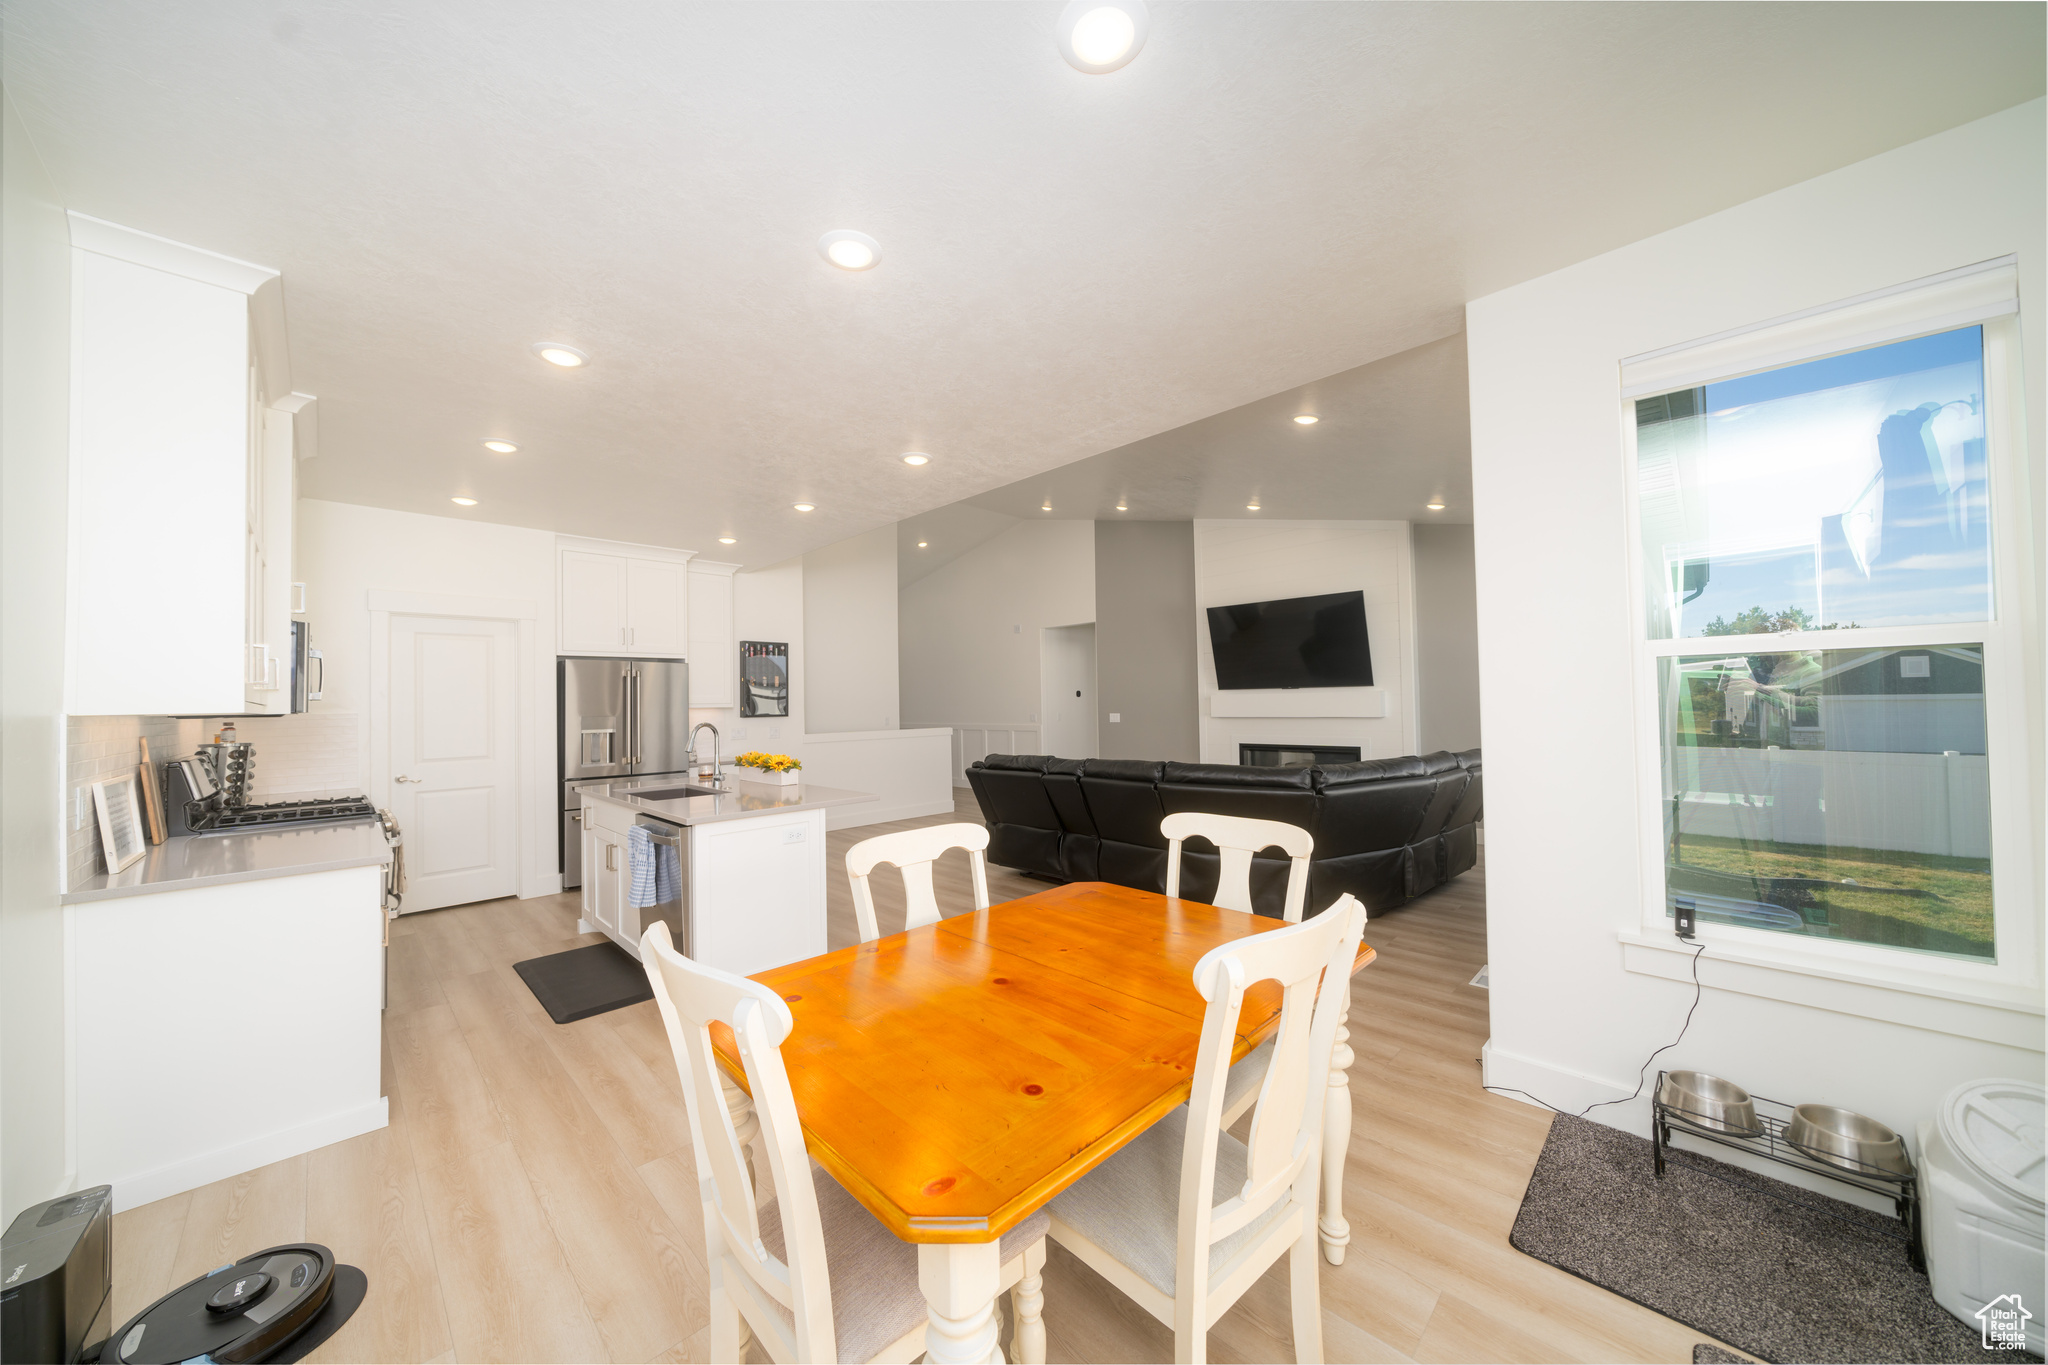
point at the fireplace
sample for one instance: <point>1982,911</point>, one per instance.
<point>1295,755</point>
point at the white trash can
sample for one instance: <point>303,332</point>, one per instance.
<point>1981,1187</point>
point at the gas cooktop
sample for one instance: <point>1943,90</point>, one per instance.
<point>340,811</point>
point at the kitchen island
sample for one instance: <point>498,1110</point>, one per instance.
<point>738,873</point>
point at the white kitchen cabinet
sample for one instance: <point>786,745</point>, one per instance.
<point>181,480</point>
<point>618,599</point>
<point>714,654</point>
<point>657,607</point>
<point>593,597</point>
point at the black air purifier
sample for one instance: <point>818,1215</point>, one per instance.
<point>56,1277</point>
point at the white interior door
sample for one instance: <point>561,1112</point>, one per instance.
<point>454,757</point>
<point>1066,663</point>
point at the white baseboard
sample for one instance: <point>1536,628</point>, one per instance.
<point>1568,1090</point>
<point>852,817</point>
<point>147,1187</point>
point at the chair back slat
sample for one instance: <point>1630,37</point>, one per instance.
<point>692,997</point>
<point>912,852</point>
<point>1236,839</point>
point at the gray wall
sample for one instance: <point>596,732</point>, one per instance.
<point>1145,639</point>
<point>1446,638</point>
<point>849,645</point>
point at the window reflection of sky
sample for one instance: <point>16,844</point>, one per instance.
<point>1851,489</point>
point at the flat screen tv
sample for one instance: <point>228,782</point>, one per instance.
<point>1293,642</point>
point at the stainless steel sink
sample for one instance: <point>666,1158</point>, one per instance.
<point>670,793</point>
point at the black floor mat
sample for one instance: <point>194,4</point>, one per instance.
<point>585,981</point>
<point>1780,1272</point>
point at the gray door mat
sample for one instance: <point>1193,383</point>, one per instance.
<point>1707,1353</point>
<point>1778,1271</point>
<point>585,981</point>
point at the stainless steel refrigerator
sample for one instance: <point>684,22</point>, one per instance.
<point>616,718</point>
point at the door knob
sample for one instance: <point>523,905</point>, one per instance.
<point>412,779</point>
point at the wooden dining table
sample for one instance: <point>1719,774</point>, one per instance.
<point>955,1077</point>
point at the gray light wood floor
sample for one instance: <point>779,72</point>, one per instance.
<point>534,1196</point>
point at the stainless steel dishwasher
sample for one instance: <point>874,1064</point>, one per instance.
<point>672,882</point>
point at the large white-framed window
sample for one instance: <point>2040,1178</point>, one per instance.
<point>1832,565</point>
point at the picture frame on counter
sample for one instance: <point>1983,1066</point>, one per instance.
<point>118,803</point>
<point>764,678</point>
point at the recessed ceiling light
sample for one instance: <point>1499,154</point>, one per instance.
<point>1251,507</point>
<point>502,447</point>
<point>560,353</point>
<point>1436,506</point>
<point>917,457</point>
<point>849,250</point>
<point>1308,419</point>
<point>463,502</point>
<point>806,507</point>
<point>1099,36</point>
<point>922,543</point>
<point>1122,508</point>
<point>1047,507</point>
<point>727,540</point>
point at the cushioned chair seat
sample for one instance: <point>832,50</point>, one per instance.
<point>1130,1204</point>
<point>875,1294</point>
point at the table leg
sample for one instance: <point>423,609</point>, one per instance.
<point>1337,1142</point>
<point>960,1282</point>
<point>1029,1341</point>
<point>746,1126</point>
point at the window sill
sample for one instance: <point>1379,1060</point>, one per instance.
<point>1993,1012</point>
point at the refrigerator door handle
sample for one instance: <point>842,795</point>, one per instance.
<point>636,717</point>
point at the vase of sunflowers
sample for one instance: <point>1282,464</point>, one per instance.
<point>771,770</point>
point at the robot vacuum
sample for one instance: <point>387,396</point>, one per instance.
<point>249,1311</point>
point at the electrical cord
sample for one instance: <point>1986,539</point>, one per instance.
<point>1643,1076</point>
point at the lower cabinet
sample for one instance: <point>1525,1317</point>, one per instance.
<point>605,873</point>
<point>224,1028</point>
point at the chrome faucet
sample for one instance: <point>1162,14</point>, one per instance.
<point>704,725</point>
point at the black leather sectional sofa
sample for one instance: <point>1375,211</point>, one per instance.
<point>1386,830</point>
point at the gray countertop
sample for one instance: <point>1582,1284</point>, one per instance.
<point>739,800</point>
<point>187,861</point>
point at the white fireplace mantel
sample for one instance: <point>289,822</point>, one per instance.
<point>1369,702</point>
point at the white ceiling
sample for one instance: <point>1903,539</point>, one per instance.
<point>1390,437</point>
<point>1070,264</point>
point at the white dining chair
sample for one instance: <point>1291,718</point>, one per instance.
<point>1237,839</point>
<point>811,1273</point>
<point>913,851</point>
<point>1185,1218</point>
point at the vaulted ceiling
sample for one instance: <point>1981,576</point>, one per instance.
<point>1270,195</point>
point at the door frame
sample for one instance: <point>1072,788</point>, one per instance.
<point>531,879</point>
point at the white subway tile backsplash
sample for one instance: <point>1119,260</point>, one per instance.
<point>311,754</point>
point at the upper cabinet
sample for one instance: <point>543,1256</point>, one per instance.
<point>714,654</point>
<point>182,475</point>
<point>617,599</point>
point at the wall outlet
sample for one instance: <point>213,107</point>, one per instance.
<point>1116,717</point>
<point>1682,921</point>
<point>793,835</point>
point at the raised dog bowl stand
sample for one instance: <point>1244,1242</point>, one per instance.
<point>1773,1116</point>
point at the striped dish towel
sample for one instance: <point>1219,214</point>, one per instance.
<point>640,859</point>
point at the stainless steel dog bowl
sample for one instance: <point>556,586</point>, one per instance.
<point>1847,1140</point>
<point>1710,1103</point>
